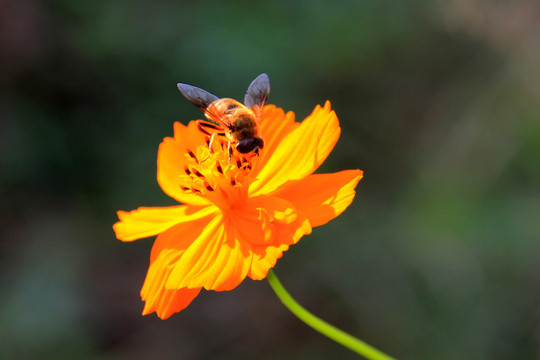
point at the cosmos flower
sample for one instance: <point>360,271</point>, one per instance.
<point>239,215</point>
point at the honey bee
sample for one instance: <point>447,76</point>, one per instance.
<point>237,122</point>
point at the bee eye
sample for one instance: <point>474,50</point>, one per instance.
<point>249,145</point>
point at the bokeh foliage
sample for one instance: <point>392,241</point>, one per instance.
<point>438,102</point>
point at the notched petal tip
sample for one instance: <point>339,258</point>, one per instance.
<point>157,298</point>
<point>168,302</point>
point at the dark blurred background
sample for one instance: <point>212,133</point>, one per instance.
<point>438,256</point>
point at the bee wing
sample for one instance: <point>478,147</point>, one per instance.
<point>202,99</point>
<point>197,96</point>
<point>257,93</point>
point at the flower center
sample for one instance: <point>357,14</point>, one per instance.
<point>212,174</point>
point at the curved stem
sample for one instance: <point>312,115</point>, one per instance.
<point>323,327</point>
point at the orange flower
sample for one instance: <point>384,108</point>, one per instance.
<point>238,218</point>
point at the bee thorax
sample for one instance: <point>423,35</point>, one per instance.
<point>244,128</point>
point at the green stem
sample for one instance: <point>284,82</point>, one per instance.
<point>323,327</point>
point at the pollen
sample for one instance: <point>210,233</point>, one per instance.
<point>208,173</point>
<point>190,153</point>
<point>197,173</point>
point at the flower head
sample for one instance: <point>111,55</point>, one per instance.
<point>240,213</point>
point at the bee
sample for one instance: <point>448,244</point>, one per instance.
<point>237,122</point>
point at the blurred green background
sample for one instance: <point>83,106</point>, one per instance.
<point>438,256</point>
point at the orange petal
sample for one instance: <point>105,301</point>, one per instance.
<point>322,197</point>
<point>248,242</point>
<point>214,261</point>
<point>172,161</point>
<point>167,250</point>
<point>275,125</point>
<point>183,234</point>
<point>164,302</point>
<point>265,257</point>
<point>301,152</point>
<point>230,267</point>
<point>267,226</point>
<point>150,221</point>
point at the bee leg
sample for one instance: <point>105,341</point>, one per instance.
<point>204,125</point>
<point>209,148</point>
<point>229,150</point>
